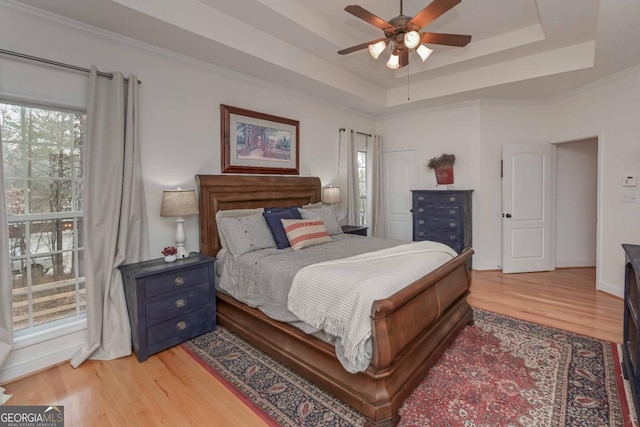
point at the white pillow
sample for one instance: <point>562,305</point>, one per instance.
<point>327,216</point>
<point>233,213</point>
<point>303,233</point>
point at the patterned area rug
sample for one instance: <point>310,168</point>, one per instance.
<point>499,372</point>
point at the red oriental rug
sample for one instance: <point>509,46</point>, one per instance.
<point>499,372</point>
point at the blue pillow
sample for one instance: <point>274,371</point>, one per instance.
<point>273,217</point>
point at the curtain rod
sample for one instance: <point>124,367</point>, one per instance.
<point>359,133</point>
<point>58,64</point>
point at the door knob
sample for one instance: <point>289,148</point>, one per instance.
<point>508,215</point>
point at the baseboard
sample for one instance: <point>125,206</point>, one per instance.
<point>485,266</point>
<point>613,290</point>
<point>29,359</point>
<point>575,263</point>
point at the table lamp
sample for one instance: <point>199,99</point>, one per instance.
<point>179,203</point>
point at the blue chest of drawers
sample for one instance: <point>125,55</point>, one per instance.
<point>443,216</point>
<point>169,303</point>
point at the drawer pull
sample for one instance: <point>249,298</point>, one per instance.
<point>452,237</point>
<point>420,233</point>
<point>420,210</point>
<point>180,303</point>
<point>179,281</point>
<point>452,224</point>
<point>421,221</point>
<point>181,325</point>
<point>421,198</point>
<point>452,211</point>
<point>452,199</point>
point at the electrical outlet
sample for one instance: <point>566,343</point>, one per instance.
<point>630,197</point>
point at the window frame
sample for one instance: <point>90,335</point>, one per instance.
<point>33,333</point>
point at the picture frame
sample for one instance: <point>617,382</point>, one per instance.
<point>258,143</point>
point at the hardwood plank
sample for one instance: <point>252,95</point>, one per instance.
<point>565,298</point>
<point>170,388</point>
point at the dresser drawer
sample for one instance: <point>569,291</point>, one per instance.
<point>434,198</point>
<point>177,303</point>
<point>179,279</point>
<point>180,328</point>
<point>438,212</point>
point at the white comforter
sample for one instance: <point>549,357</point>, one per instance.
<point>337,296</point>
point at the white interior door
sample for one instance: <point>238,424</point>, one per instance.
<point>400,177</point>
<point>527,208</point>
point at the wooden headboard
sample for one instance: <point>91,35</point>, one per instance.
<point>223,192</point>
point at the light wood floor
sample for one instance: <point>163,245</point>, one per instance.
<point>171,389</point>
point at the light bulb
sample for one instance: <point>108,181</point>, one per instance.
<point>376,49</point>
<point>394,61</point>
<point>424,52</point>
<point>411,39</point>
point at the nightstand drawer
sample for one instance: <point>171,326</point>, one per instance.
<point>178,303</point>
<point>177,280</point>
<point>179,328</point>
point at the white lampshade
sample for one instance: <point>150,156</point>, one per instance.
<point>394,61</point>
<point>424,52</point>
<point>411,39</point>
<point>376,49</point>
<point>331,195</point>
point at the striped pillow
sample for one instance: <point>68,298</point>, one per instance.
<point>303,233</point>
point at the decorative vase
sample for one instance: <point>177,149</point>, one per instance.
<point>444,176</point>
<point>169,258</point>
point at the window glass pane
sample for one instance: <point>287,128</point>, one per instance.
<point>13,159</point>
<point>14,193</point>
<point>43,153</point>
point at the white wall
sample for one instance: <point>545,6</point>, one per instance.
<point>475,133</point>
<point>611,111</point>
<point>179,109</point>
<point>576,203</point>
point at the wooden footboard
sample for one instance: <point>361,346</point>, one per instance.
<point>415,326</point>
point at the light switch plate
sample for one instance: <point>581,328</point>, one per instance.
<point>630,196</point>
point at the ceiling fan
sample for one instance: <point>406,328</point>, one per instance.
<point>403,33</point>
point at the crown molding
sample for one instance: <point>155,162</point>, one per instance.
<point>595,84</point>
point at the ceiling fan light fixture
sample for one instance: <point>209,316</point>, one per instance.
<point>424,52</point>
<point>376,49</point>
<point>394,61</point>
<point>411,39</point>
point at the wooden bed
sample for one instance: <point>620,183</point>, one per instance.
<point>411,329</point>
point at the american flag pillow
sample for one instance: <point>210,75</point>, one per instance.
<point>303,233</point>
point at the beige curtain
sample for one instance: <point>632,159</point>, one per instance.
<point>115,222</point>
<point>353,198</point>
<point>6,322</point>
<point>377,221</point>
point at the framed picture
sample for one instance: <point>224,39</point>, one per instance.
<point>258,143</point>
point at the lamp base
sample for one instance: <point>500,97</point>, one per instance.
<point>182,252</point>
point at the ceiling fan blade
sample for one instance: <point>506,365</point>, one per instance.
<point>404,58</point>
<point>435,9</point>
<point>369,17</point>
<point>359,46</point>
<point>458,40</point>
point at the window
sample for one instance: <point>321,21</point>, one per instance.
<point>43,151</point>
<point>362,186</point>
